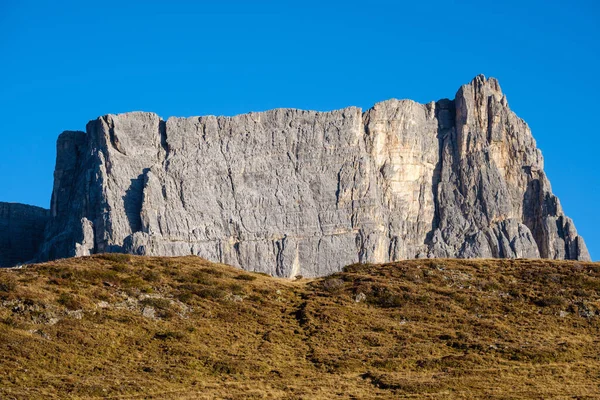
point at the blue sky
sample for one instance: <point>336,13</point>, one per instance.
<point>64,63</point>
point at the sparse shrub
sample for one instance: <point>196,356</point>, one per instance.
<point>70,301</point>
<point>189,287</point>
<point>134,282</point>
<point>8,283</point>
<point>100,294</point>
<point>158,303</point>
<point>97,391</point>
<point>211,293</point>
<point>213,271</point>
<point>332,284</point>
<point>423,299</point>
<point>60,273</point>
<point>97,275</point>
<point>163,307</point>
<point>389,364</point>
<point>383,297</point>
<point>116,257</point>
<point>151,276</point>
<point>225,367</point>
<point>372,340</point>
<point>166,335</point>
<point>592,283</point>
<point>236,288</point>
<point>124,318</point>
<point>550,301</point>
<point>185,297</point>
<point>413,275</point>
<point>246,277</point>
<point>581,293</point>
<point>120,267</point>
<point>406,385</point>
<point>204,292</point>
<point>354,268</point>
<point>490,286</point>
<point>11,322</point>
<point>166,262</point>
<point>200,277</point>
<point>536,356</point>
<point>254,298</point>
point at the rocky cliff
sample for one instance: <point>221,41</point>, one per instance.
<point>301,192</point>
<point>21,232</point>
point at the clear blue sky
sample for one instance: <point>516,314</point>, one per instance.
<point>63,63</point>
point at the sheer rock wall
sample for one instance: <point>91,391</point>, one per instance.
<point>292,192</point>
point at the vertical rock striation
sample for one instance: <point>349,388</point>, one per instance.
<point>21,232</point>
<point>301,192</point>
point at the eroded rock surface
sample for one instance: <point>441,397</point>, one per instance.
<point>292,192</point>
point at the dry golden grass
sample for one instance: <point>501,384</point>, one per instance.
<point>124,327</point>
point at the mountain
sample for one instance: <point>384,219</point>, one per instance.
<point>291,192</point>
<point>119,326</point>
<point>21,232</point>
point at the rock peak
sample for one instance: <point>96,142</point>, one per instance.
<point>480,80</point>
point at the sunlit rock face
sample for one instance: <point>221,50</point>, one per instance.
<point>292,192</point>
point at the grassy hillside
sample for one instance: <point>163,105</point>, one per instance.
<point>123,327</point>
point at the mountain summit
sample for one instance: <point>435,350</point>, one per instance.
<point>292,192</point>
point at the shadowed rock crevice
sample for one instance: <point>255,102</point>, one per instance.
<point>533,216</point>
<point>446,115</point>
<point>133,199</point>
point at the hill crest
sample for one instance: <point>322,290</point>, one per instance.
<point>120,326</point>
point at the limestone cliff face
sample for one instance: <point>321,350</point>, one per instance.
<point>21,232</point>
<point>301,192</point>
<point>493,197</point>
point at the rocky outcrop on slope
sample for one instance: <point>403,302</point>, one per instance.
<point>21,232</point>
<point>301,192</point>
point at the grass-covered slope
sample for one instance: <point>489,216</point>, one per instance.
<point>117,326</point>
